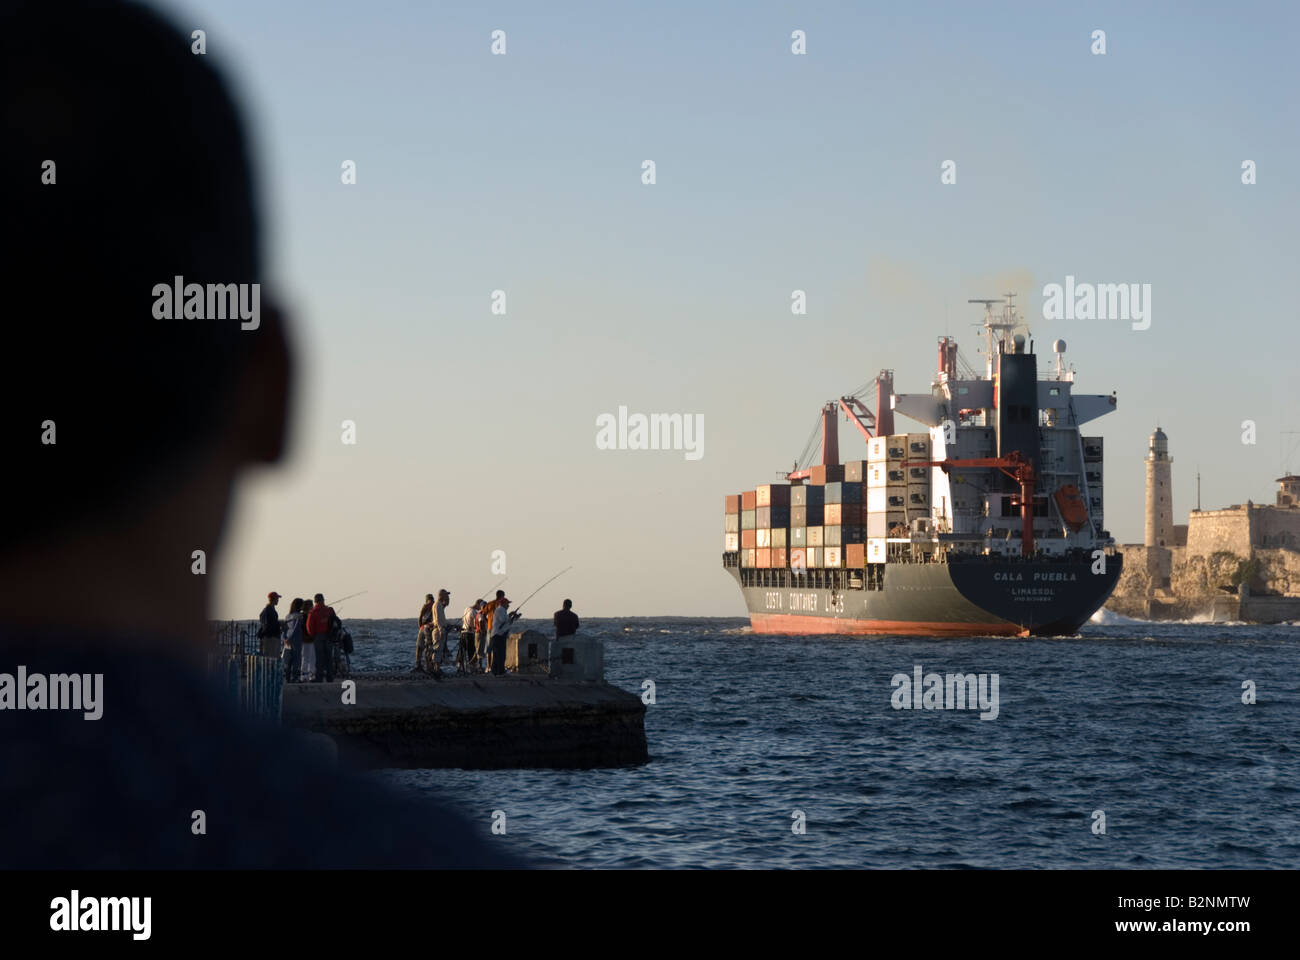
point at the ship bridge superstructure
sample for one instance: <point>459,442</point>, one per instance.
<point>1011,408</point>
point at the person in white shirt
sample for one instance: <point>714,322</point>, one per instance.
<point>465,649</point>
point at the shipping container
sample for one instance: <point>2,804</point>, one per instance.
<point>877,447</point>
<point>815,558</point>
<point>877,525</point>
<point>733,503</point>
<point>747,520</point>
<point>763,517</point>
<point>875,550</point>
<point>855,471</point>
<point>815,536</point>
<point>807,496</point>
<point>748,538</point>
<point>747,500</point>
<point>832,514</point>
<point>747,557</point>
<point>918,498</point>
<point>843,492</point>
<point>895,499</point>
<point>1092,449</point>
<point>798,559</point>
<point>779,558</point>
<point>731,523</point>
<point>833,558</point>
<point>822,475</point>
<point>918,446</point>
<point>839,535</point>
<point>877,501</point>
<point>876,473</point>
<point>855,555</point>
<point>798,537</point>
<point>918,475</point>
<point>779,535</point>
<point>813,515</point>
<point>763,537</point>
<point>732,542</point>
<point>762,558</point>
<point>772,495</point>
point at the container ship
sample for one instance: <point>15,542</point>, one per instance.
<point>988,522</point>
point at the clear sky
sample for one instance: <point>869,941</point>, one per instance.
<point>476,432</point>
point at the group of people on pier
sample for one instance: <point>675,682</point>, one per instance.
<point>311,640</point>
<point>313,643</point>
<point>483,628</point>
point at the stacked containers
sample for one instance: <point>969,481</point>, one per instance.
<point>771,524</point>
<point>918,478</point>
<point>843,518</point>
<point>748,533</point>
<point>886,492</point>
<point>807,510</point>
<point>731,524</point>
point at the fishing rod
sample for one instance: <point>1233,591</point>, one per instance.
<point>493,590</point>
<point>349,597</point>
<point>515,613</point>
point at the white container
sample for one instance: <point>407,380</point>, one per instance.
<point>875,550</point>
<point>876,447</point>
<point>733,543</point>
<point>876,474</point>
<point>877,500</point>
<point>833,557</point>
<point>763,537</point>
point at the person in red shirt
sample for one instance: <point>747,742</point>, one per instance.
<point>320,622</point>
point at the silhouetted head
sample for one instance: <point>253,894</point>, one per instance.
<point>320,598</point>
<point>124,165</point>
<point>568,604</point>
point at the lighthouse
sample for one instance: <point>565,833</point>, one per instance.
<point>1160,507</point>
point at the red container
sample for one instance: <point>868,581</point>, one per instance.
<point>733,503</point>
<point>855,555</point>
<point>747,500</point>
<point>773,495</point>
<point>822,475</point>
<point>746,539</point>
<point>762,558</point>
<point>779,558</point>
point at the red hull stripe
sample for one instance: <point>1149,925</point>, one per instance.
<point>789,623</point>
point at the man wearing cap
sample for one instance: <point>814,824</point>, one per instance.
<point>441,632</point>
<point>268,627</point>
<point>501,621</point>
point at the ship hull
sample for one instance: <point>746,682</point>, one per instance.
<point>973,597</point>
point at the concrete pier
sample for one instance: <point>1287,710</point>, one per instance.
<point>474,722</point>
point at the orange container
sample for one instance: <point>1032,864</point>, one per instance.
<point>762,558</point>
<point>747,539</point>
<point>748,500</point>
